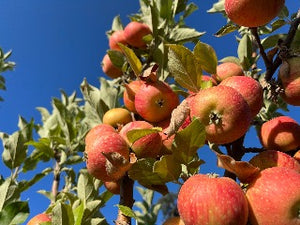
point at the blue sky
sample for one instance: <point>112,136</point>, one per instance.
<point>57,43</point>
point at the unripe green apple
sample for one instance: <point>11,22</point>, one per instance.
<point>280,133</point>
<point>176,220</point>
<point>40,218</point>
<point>115,38</point>
<point>289,74</point>
<point>129,94</point>
<point>155,101</point>
<point>249,88</point>
<point>252,13</point>
<point>117,117</point>
<point>209,200</point>
<point>274,197</point>
<point>224,113</point>
<point>227,69</point>
<point>109,68</point>
<point>148,146</point>
<point>134,33</point>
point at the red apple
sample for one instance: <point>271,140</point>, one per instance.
<point>117,117</point>
<point>109,68</point>
<point>274,197</point>
<point>209,200</point>
<point>289,74</point>
<point>249,88</point>
<point>252,13</point>
<point>281,133</point>
<point>129,94</point>
<point>272,158</point>
<point>113,186</point>
<point>40,218</point>
<point>224,113</point>
<point>155,101</point>
<point>227,69</point>
<point>174,221</point>
<point>134,33</point>
<point>148,146</point>
<point>115,38</point>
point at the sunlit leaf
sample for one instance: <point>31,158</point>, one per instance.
<point>134,135</point>
<point>126,211</point>
<point>207,57</point>
<point>226,29</point>
<point>132,59</point>
<point>167,168</point>
<point>14,213</point>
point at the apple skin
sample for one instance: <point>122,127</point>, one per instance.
<point>176,220</point>
<point>290,79</point>
<point>227,69</point>
<point>40,218</point>
<point>209,200</point>
<point>148,146</point>
<point>155,101</point>
<point>249,88</point>
<point>113,186</point>
<point>224,113</point>
<point>129,94</point>
<point>274,197</point>
<point>109,68</point>
<point>252,13</point>
<point>117,117</point>
<point>109,143</point>
<point>117,37</point>
<point>134,33</point>
<point>272,158</point>
<point>280,133</point>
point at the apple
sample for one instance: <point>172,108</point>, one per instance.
<point>249,88</point>
<point>107,156</point>
<point>113,186</point>
<point>204,199</point>
<point>40,218</point>
<point>289,75</point>
<point>155,101</point>
<point>148,146</point>
<point>272,158</point>
<point>227,69</point>
<point>176,220</point>
<point>109,68</point>
<point>252,13</point>
<point>297,156</point>
<point>117,37</point>
<point>224,113</point>
<point>134,33</point>
<point>274,197</point>
<point>117,117</point>
<point>129,94</point>
<point>280,133</point>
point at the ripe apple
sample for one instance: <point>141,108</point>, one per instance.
<point>206,199</point>
<point>252,13</point>
<point>174,221</point>
<point>155,101</point>
<point>274,197</point>
<point>117,117</point>
<point>107,156</point>
<point>148,146</point>
<point>289,74</point>
<point>117,37</point>
<point>113,186</point>
<point>224,113</point>
<point>272,158</point>
<point>134,33</point>
<point>249,88</point>
<point>280,133</point>
<point>227,69</point>
<point>109,68</point>
<point>129,94</point>
<point>38,219</point>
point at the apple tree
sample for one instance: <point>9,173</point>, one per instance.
<point>164,96</point>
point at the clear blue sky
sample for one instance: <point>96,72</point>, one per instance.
<point>57,43</point>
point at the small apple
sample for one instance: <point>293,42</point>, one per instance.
<point>113,186</point>
<point>227,69</point>
<point>274,197</point>
<point>206,199</point>
<point>155,101</point>
<point>224,113</point>
<point>117,37</point>
<point>109,68</point>
<point>148,146</point>
<point>272,158</point>
<point>289,75</point>
<point>253,13</point>
<point>117,117</point>
<point>129,94</point>
<point>280,133</point>
<point>174,221</point>
<point>134,33</point>
<point>40,218</point>
<point>249,88</point>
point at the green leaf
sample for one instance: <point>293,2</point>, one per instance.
<point>190,8</point>
<point>207,57</point>
<point>126,211</point>
<point>78,213</point>
<point>116,57</point>
<point>132,59</point>
<point>217,7</point>
<point>43,145</point>
<point>117,24</point>
<point>14,213</point>
<point>184,34</point>
<point>134,135</point>
<point>167,168</point>
<point>245,52</point>
<point>62,214</point>
<point>226,29</point>
<point>271,41</point>
<point>85,187</point>
<point>231,59</point>
<point>4,192</point>
<point>184,67</point>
